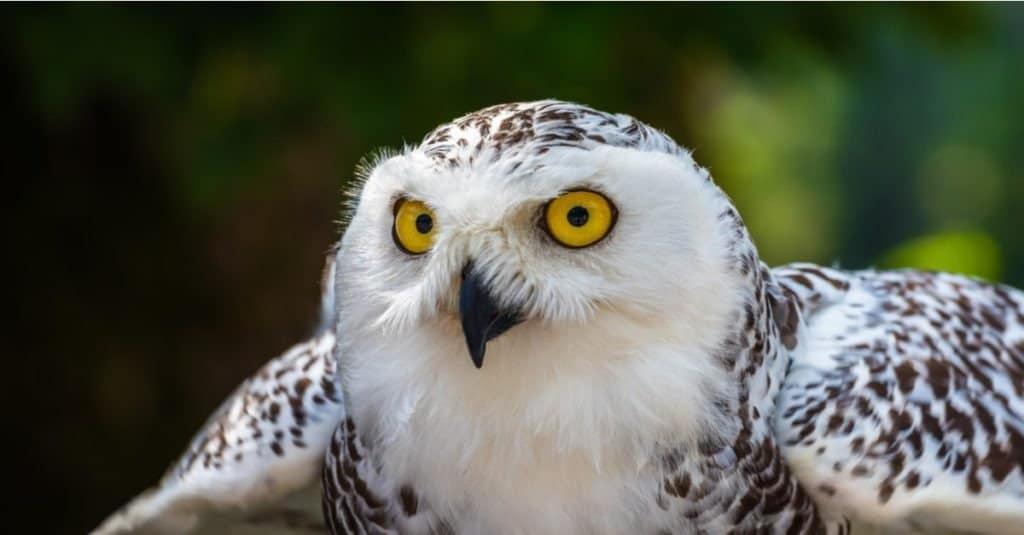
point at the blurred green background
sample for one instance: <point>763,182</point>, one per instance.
<point>176,172</point>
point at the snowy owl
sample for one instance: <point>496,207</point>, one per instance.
<point>547,319</point>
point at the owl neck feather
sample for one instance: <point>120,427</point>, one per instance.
<point>742,465</point>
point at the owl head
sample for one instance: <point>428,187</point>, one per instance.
<point>545,236</point>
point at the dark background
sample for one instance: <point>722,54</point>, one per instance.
<point>175,173</point>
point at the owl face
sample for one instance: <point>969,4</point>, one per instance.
<point>481,243</point>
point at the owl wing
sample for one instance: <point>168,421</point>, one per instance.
<point>355,500</point>
<point>358,500</point>
<point>904,406</point>
<point>253,466</point>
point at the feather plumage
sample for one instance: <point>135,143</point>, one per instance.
<point>904,405</point>
<point>661,381</point>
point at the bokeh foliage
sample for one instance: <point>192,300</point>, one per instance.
<point>177,169</point>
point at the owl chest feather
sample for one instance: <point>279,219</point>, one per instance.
<point>551,429</point>
<point>659,425</point>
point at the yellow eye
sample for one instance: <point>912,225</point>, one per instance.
<point>413,230</point>
<point>579,218</point>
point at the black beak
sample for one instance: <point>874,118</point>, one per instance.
<point>482,319</point>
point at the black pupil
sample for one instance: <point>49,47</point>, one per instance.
<point>424,224</point>
<point>578,216</point>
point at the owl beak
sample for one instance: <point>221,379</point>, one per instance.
<point>482,319</point>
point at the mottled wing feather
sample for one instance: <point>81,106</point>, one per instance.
<point>904,405</point>
<point>264,443</point>
<point>357,500</point>
<point>351,504</point>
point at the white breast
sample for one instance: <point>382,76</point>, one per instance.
<point>558,425</point>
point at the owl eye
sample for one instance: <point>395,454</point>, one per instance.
<point>414,226</point>
<point>579,218</point>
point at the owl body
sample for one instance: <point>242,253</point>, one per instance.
<point>597,403</point>
<point>549,319</point>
